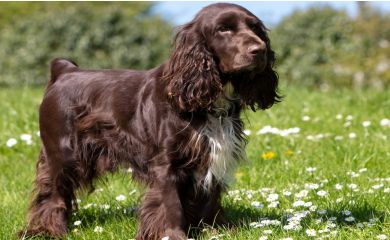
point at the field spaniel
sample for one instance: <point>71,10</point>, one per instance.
<point>177,126</point>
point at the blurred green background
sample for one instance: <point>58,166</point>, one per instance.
<point>94,34</point>
<point>318,47</point>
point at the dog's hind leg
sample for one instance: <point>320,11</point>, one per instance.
<point>56,180</point>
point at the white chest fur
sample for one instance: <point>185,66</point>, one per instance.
<point>226,145</point>
<point>226,149</point>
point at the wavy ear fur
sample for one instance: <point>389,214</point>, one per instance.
<point>260,91</point>
<point>193,78</point>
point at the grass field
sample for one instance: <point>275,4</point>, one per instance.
<point>321,169</point>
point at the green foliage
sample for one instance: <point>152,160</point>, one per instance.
<point>307,42</point>
<point>325,48</point>
<point>95,35</point>
<point>317,48</point>
<point>372,33</point>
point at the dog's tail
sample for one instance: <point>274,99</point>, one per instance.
<point>59,66</point>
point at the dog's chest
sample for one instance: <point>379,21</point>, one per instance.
<point>225,143</point>
<point>226,149</point>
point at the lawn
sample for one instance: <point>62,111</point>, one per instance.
<point>319,168</point>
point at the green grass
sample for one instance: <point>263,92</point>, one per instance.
<point>284,170</point>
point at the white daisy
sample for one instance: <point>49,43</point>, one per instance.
<point>346,212</point>
<point>11,142</point>
<point>322,211</point>
<point>322,193</point>
<point>311,169</point>
<point>120,198</point>
<point>385,122</point>
<point>247,132</point>
<point>311,186</point>
<point>352,135</point>
<point>286,193</point>
<point>298,203</point>
<point>313,208</point>
<point>381,237</point>
<point>273,204</point>
<point>105,206</point>
<point>302,194</point>
<point>366,123</point>
<point>257,204</point>
<point>25,137</point>
<point>377,186</point>
<point>311,232</point>
<point>331,224</point>
<point>272,197</point>
<point>98,229</point>
<point>338,138</point>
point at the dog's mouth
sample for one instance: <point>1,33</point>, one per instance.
<point>254,66</point>
<point>243,63</point>
<point>248,70</point>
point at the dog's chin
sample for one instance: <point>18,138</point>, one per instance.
<point>248,67</point>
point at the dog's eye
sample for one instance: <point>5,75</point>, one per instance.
<point>224,29</point>
<point>253,27</point>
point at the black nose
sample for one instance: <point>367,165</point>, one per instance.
<point>256,49</point>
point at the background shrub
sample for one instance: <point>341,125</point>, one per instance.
<point>317,48</point>
<point>95,35</point>
<point>325,48</point>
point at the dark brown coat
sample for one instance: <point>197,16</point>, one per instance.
<point>177,126</point>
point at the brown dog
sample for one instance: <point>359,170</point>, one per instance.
<point>178,125</point>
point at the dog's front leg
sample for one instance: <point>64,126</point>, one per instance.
<point>162,214</point>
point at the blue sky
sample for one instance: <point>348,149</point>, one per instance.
<point>270,12</point>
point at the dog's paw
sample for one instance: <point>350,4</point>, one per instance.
<point>171,234</point>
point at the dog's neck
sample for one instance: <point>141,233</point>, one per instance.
<point>224,105</point>
<point>225,142</point>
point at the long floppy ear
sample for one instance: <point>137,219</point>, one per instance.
<point>192,75</point>
<point>260,91</point>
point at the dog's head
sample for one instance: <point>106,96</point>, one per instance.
<point>224,42</point>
